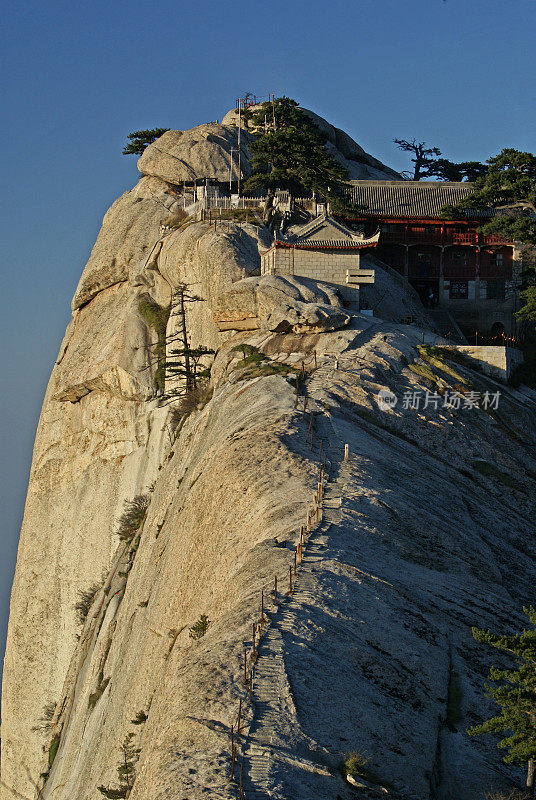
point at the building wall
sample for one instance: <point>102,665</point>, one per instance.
<point>329,266</point>
<point>322,265</point>
<point>499,362</point>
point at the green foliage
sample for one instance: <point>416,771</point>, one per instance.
<point>527,312</point>
<point>53,749</point>
<point>156,317</point>
<point>355,764</point>
<point>139,140</point>
<point>250,355</point>
<point>447,170</point>
<point>255,363</point>
<point>177,367</point>
<point>514,692</point>
<point>424,372</point>
<point>132,517</point>
<point>427,164</point>
<point>126,771</point>
<point>294,156</point>
<point>526,372</point>
<point>47,715</point>
<point>253,215</point>
<point>95,696</point>
<point>435,356</point>
<point>183,361</point>
<point>199,628</point>
<point>85,602</point>
<point>194,400</point>
<point>140,718</point>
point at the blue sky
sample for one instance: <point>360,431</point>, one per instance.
<point>77,77</point>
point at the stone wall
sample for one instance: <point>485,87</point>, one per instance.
<point>329,266</point>
<point>498,362</point>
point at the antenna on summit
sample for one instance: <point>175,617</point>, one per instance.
<point>242,103</point>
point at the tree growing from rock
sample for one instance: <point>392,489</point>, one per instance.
<point>199,628</point>
<point>126,771</point>
<point>515,693</point>
<point>289,152</point>
<point>184,361</point>
<point>139,140</point>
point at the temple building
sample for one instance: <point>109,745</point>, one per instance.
<point>323,249</point>
<point>450,264</point>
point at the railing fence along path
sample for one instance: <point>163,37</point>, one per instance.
<point>263,678</point>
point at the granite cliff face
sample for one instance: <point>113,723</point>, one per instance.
<point>426,530</point>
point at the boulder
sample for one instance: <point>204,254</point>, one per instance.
<point>128,241</point>
<point>199,153</point>
<point>277,304</point>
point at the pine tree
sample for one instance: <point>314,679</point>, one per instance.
<point>515,693</point>
<point>423,157</point>
<point>139,140</point>
<point>126,771</point>
<point>447,170</point>
<point>199,628</point>
<point>289,152</point>
<point>184,361</point>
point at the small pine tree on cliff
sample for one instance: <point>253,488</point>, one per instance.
<point>291,154</point>
<point>515,693</point>
<point>126,771</point>
<point>139,140</point>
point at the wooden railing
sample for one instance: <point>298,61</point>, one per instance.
<point>446,239</point>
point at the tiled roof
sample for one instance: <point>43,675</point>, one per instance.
<point>330,244</point>
<point>304,232</point>
<point>410,198</point>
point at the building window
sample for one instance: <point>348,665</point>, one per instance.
<point>496,260</point>
<point>459,290</point>
<point>496,290</point>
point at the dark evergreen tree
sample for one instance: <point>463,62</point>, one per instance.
<point>423,157</point>
<point>139,140</point>
<point>447,170</point>
<point>289,152</point>
<point>515,693</point>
